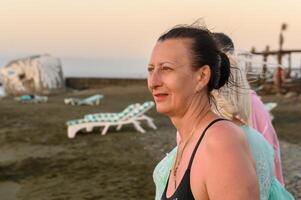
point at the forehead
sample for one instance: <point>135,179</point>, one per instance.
<point>173,49</point>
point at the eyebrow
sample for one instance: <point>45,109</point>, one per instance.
<point>161,63</point>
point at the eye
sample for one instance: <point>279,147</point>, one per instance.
<point>166,68</point>
<point>150,69</point>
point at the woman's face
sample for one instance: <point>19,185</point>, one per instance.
<point>171,78</point>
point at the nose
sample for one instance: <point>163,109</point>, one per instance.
<point>154,80</point>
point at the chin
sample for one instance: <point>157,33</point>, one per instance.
<point>162,109</point>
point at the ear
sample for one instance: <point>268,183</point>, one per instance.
<point>203,77</point>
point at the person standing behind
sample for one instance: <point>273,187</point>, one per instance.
<point>260,118</point>
<point>231,102</point>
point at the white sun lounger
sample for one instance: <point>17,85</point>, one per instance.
<point>269,107</point>
<point>133,114</point>
<point>32,99</point>
<point>92,100</point>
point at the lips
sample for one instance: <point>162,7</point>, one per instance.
<point>158,97</point>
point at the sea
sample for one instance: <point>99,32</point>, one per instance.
<point>109,67</point>
<point>100,67</point>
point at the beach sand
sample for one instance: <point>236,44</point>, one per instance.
<point>39,162</point>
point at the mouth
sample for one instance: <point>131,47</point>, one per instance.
<point>159,97</point>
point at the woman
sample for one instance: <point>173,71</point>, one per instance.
<point>255,113</point>
<point>270,188</point>
<point>232,103</point>
<point>184,68</point>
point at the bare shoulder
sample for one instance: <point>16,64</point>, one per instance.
<point>225,134</point>
<point>225,156</point>
<point>225,140</point>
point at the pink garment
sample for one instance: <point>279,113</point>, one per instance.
<point>261,121</point>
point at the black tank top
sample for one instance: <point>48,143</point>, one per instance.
<point>183,191</point>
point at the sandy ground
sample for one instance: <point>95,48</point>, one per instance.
<point>38,161</point>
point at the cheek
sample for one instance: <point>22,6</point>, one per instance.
<point>181,92</point>
<point>180,88</point>
<point>183,86</point>
<point>181,98</point>
<point>148,84</point>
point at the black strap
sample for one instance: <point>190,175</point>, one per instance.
<point>201,138</point>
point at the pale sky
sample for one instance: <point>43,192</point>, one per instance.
<point>95,29</point>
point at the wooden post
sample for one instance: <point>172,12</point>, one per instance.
<point>265,59</point>
<point>288,75</point>
<point>279,72</point>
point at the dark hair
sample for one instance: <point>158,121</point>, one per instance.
<point>204,51</point>
<point>224,42</point>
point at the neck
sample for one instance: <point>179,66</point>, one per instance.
<point>196,114</point>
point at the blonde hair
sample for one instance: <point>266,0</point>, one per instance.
<point>234,100</point>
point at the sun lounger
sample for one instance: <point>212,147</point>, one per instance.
<point>133,114</point>
<point>259,88</point>
<point>92,100</point>
<point>32,99</point>
<point>269,107</point>
<point>107,116</point>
